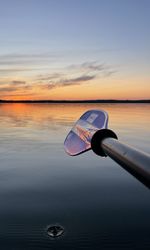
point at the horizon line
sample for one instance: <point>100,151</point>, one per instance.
<point>79,101</point>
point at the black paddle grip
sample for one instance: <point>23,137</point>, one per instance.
<point>97,139</point>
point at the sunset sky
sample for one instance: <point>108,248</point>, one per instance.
<point>74,49</point>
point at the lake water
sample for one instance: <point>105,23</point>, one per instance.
<point>99,204</point>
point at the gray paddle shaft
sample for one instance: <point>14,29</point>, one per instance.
<point>134,161</point>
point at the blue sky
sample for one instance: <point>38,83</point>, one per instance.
<point>47,36</point>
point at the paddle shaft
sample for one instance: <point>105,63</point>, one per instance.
<point>134,161</point>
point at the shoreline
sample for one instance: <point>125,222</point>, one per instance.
<point>75,101</point>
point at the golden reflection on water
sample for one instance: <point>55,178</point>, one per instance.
<point>31,125</point>
<point>131,115</point>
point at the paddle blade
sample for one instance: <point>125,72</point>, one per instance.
<point>79,138</point>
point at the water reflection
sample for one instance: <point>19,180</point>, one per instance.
<point>130,121</point>
<point>41,185</point>
<point>129,114</point>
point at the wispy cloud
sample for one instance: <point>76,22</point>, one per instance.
<point>75,75</point>
<point>69,82</point>
<point>94,67</point>
<point>18,83</point>
<point>11,64</point>
<point>8,89</point>
<point>9,59</point>
<point>15,86</point>
<point>49,77</point>
<point>88,66</point>
<point>68,76</point>
<point>80,79</point>
<point>10,70</point>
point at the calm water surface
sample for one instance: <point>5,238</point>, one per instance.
<point>98,203</point>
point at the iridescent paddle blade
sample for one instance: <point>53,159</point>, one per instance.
<point>79,138</point>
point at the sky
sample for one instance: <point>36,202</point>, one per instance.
<point>67,49</point>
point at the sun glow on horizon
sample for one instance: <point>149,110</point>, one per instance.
<point>97,89</point>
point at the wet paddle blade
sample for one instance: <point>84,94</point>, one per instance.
<point>79,138</point>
